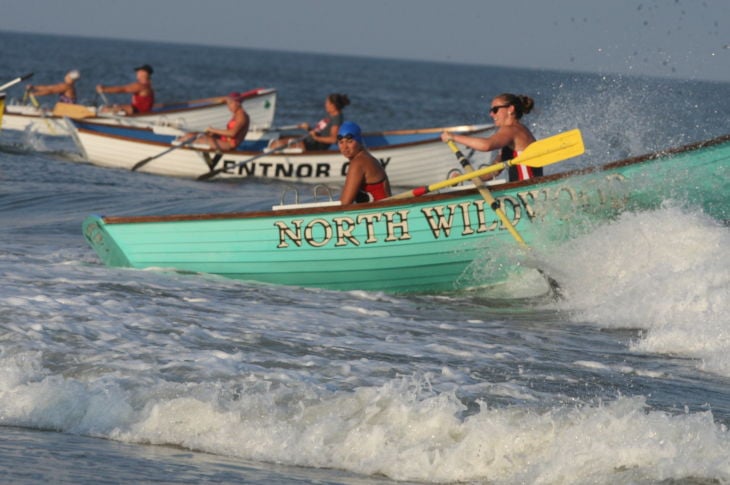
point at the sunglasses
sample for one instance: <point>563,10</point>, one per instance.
<point>494,109</point>
<point>349,136</point>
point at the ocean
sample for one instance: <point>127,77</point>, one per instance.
<point>129,376</point>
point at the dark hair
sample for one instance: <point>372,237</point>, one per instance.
<point>339,100</point>
<point>523,104</point>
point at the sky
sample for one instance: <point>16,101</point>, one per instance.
<point>685,39</point>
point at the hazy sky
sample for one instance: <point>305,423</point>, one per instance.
<point>687,39</point>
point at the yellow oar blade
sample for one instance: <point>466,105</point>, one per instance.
<point>552,149</point>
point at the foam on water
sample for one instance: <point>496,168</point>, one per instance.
<point>402,429</point>
<point>666,272</point>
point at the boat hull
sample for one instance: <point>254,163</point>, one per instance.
<point>196,115</point>
<point>414,157</point>
<point>440,242</point>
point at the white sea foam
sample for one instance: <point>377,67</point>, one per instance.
<point>665,271</point>
<point>402,429</point>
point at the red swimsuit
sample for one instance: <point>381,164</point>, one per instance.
<point>377,191</point>
<point>142,103</point>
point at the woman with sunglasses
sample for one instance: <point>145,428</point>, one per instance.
<point>511,137</point>
<point>366,179</point>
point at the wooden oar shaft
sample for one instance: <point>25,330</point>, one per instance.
<point>42,113</point>
<point>485,193</point>
<point>449,182</point>
<point>141,163</point>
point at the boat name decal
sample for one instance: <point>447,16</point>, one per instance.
<point>318,170</point>
<point>457,220</point>
<point>277,170</point>
<point>469,217</point>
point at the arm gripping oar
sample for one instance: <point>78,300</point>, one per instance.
<point>15,81</point>
<point>558,144</point>
<point>538,154</point>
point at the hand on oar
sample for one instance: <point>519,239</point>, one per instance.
<point>570,142</point>
<point>538,154</point>
<point>215,172</point>
<point>101,95</point>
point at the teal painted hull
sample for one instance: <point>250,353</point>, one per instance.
<point>434,243</point>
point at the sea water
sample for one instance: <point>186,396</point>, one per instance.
<point>115,375</point>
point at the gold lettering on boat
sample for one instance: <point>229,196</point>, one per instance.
<point>369,219</point>
<point>466,220</point>
<point>345,233</point>
<point>437,221</point>
<point>479,204</point>
<point>318,239</point>
<point>528,198</point>
<point>343,229</point>
<point>442,223</point>
<point>516,208</point>
<point>392,226</point>
<point>285,231</point>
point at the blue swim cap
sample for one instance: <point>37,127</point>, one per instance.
<point>352,129</point>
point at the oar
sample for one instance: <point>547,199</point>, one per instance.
<point>103,97</point>
<point>15,81</point>
<point>144,162</point>
<point>486,194</point>
<point>37,105</point>
<point>215,172</point>
<point>538,154</point>
<point>283,128</point>
<point>489,198</point>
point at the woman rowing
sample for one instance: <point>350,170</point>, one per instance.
<point>511,138</point>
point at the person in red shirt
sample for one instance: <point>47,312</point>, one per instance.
<point>366,179</point>
<point>143,96</point>
<point>227,138</point>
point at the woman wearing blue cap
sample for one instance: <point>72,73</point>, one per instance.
<point>366,178</point>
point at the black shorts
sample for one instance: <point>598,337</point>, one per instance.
<point>310,144</point>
